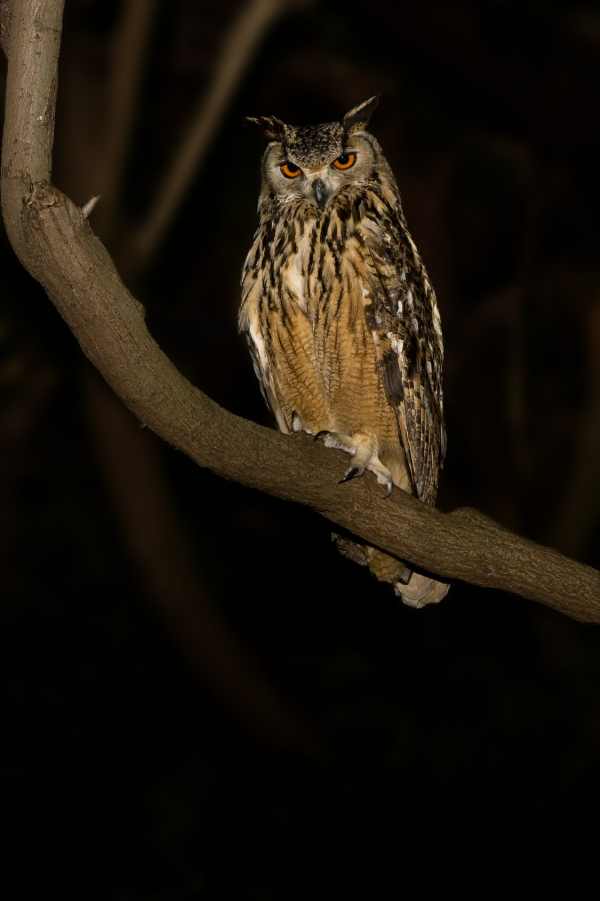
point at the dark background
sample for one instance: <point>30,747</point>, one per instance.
<point>235,717</point>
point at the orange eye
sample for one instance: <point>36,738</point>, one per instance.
<point>345,161</point>
<point>290,170</point>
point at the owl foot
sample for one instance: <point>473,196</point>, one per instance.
<point>352,473</point>
<point>363,450</point>
<point>420,591</point>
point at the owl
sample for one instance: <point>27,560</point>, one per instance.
<point>341,319</point>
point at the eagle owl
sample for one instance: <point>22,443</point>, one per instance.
<point>341,319</point>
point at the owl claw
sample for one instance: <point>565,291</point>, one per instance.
<point>363,449</point>
<point>352,473</point>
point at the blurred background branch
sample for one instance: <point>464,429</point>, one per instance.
<point>235,56</point>
<point>128,55</point>
<point>130,458</point>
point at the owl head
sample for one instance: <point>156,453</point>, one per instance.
<point>316,162</point>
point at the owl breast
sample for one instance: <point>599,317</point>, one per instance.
<point>307,293</point>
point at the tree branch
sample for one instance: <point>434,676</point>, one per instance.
<point>55,243</point>
<point>237,53</point>
<point>128,54</point>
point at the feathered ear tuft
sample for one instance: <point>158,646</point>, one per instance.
<point>358,117</point>
<point>272,128</point>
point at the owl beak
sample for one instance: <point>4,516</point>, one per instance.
<point>320,192</point>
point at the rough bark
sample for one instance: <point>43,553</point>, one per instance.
<point>55,243</point>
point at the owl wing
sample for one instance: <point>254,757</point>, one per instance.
<point>250,324</point>
<point>401,311</point>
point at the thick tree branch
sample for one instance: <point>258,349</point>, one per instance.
<point>55,243</point>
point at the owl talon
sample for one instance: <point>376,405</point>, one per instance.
<point>389,485</point>
<point>352,473</point>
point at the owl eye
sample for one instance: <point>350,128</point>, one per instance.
<point>345,161</point>
<point>290,170</point>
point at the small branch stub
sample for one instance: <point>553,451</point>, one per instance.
<point>87,208</point>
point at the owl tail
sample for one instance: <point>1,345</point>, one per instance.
<point>414,589</point>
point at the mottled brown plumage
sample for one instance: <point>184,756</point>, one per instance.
<point>340,317</point>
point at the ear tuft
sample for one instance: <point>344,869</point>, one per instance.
<point>272,128</point>
<point>358,117</point>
